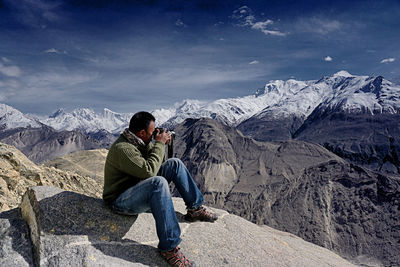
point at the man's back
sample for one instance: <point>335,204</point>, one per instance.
<point>127,164</point>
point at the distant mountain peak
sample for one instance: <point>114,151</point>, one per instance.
<point>343,73</point>
<point>11,118</point>
<point>58,112</point>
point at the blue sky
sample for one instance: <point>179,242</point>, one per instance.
<point>142,55</point>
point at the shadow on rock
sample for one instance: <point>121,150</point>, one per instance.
<point>84,224</point>
<point>15,244</point>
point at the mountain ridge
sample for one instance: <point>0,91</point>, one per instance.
<point>278,98</point>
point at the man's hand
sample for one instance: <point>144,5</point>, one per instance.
<point>164,136</point>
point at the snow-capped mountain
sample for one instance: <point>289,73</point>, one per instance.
<point>88,121</point>
<point>294,98</point>
<point>230,111</point>
<point>363,94</point>
<point>11,118</point>
<point>278,99</point>
<point>355,94</point>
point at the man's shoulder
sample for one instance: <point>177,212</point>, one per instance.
<point>122,143</point>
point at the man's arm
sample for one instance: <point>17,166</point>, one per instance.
<point>132,162</point>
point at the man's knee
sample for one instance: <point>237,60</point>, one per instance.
<point>160,182</point>
<point>175,162</point>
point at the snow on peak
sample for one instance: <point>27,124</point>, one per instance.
<point>88,120</point>
<point>342,73</point>
<point>277,99</point>
<point>291,97</point>
<point>11,118</point>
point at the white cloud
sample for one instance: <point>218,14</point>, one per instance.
<point>183,77</point>
<point>54,80</point>
<point>55,51</point>
<point>318,25</point>
<point>36,13</point>
<point>10,71</point>
<point>180,23</point>
<point>244,15</point>
<point>254,62</point>
<point>6,60</point>
<point>328,58</point>
<point>387,60</point>
<point>261,25</point>
<point>8,88</point>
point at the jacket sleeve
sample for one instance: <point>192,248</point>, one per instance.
<point>132,162</point>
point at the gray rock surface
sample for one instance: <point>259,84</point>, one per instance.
<point>269,128</point>
<point>369,140</point>
<point>372,141</point>
<point>70,229</point>
<point>296,187</point>
<point>15,243</point>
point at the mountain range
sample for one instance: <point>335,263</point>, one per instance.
<point>278,99</point>
<point>293,186</point>
<point>356,117</point>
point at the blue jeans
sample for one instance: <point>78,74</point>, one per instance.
<point>153,195</point>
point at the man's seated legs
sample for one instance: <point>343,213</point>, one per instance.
<point>153,195</point>
<point>174,170</point>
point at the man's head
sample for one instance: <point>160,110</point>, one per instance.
<point>143,125</point>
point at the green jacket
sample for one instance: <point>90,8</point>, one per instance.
<point>127,164</point>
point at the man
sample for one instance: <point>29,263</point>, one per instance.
<point>136,180</point>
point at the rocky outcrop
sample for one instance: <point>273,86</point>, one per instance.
<point>15,242</point>
<point>71,229</point>
<point>17,173</point>
<point>297,187</point>
<point>368,140</point>
<point>270,128</point>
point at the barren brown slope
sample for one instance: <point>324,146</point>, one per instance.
<point>17,173</point>
<point>86,163</point>
<point>297,187</point>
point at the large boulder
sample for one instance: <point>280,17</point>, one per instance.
<point>71,229</point>
<point>15,242</point>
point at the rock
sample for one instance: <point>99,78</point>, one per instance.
<point>71,229</point>
<point>368,140</point>
<point>15,243</point>
<point>17,173</point>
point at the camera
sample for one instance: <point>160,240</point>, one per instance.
<point>170,146</point>
<point>161,130</point>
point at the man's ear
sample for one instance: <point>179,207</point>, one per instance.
<point>141,133</point>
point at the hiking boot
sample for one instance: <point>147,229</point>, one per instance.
<point>175,258</point>
<point>200,214</point>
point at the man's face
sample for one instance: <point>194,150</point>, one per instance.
<point>146,135</point>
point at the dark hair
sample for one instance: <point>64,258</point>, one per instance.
<point>140,121</point>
